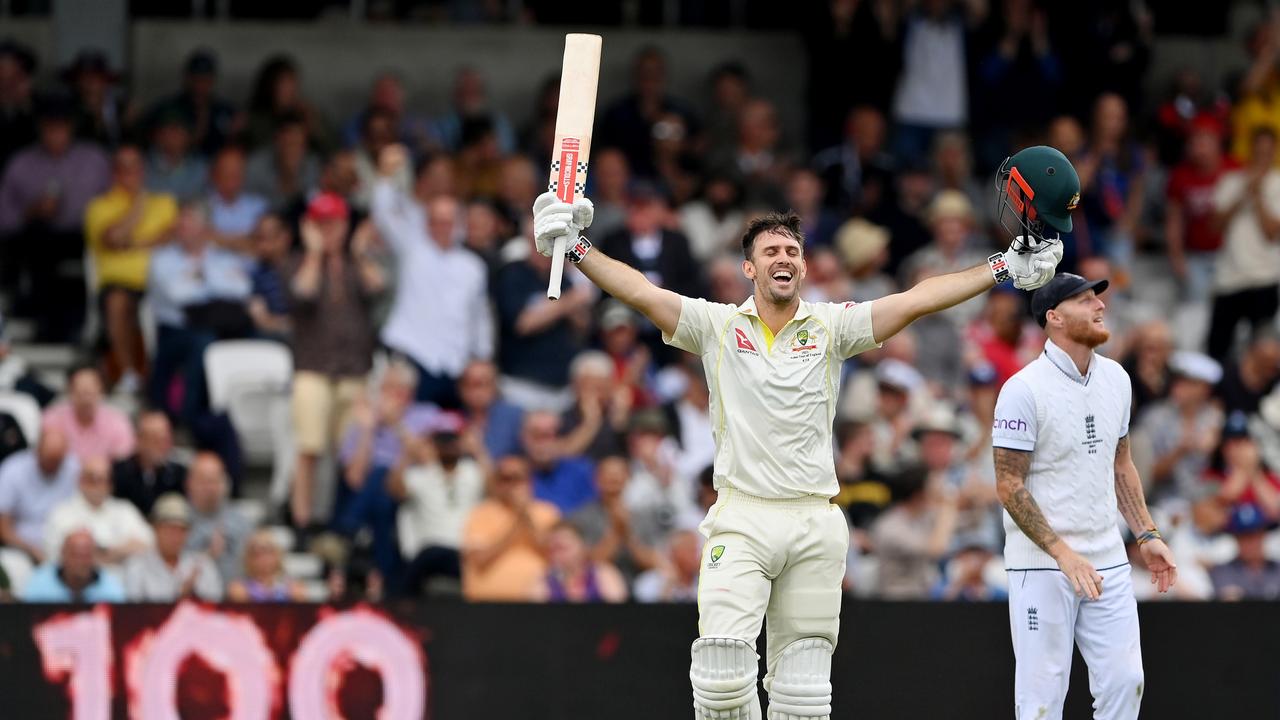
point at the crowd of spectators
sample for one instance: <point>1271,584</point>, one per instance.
<point>495,444</point>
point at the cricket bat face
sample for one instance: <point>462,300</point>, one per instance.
<point>572,148</point>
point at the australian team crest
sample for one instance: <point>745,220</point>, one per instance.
<point>717,552</point>
<point>803,340</point>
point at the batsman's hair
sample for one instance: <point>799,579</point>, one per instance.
<point>787,223</point>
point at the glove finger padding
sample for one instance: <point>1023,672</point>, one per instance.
<point>583,213</point>
<point>543,201</point>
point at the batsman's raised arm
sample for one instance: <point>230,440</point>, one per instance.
<point>552,219</point>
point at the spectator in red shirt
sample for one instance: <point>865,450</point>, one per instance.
<point>1004,336</point>
<point>1243,478</point>
<point>1189,228</point>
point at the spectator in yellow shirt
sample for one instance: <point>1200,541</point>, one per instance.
<point>121,228</point>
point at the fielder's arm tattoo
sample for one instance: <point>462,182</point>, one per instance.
<point>1012,467</point>
<point>1129,496</point>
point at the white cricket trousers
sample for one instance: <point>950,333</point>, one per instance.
<point>777,559</point>
<point>1046,617</point>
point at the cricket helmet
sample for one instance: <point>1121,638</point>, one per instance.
<point>1036,190</point>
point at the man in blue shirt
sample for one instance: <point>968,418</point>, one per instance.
<point>75,578</point>
<point>566,481</point>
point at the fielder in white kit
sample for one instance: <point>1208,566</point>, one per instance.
<point>775,545</point>
<point>1061,437</point>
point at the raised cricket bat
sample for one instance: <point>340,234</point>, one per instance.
<point>579,77</point>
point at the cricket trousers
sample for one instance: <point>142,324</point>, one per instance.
<point>780,560</point>
<point>1047,618</point>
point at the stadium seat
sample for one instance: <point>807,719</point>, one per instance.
<point>303,566</point>
<point>26,411</point>
<point>17,566</point>
<point>249,380</point>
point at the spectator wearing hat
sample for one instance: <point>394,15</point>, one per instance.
<point>914,535</point>
<point>1240,473</point>
<point>283,171</point>
<point>119,530</point>
<point>233,211</point>
<point>951,222</point>
<point>169,572</point>
<point>121,229</point>
<point>198,293</point>
<point>75,577</point>
<point>332,288</point>
<point>1251,575</point>
<point>211,119</point>
<point>43,195</point>
<point>104,113</point>
<point>152,471</point>
<point>17,113</point>
<point>1246,279</point>
<point>440,318</point>
<point>1253,376</point>
<point>1183,430</point>
<point>1190,230</point>
<point>173,165</point>
<point>438,481</point>
<point>864,248</point>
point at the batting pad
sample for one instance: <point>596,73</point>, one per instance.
<point>723,675</point>
<point>801,688</point>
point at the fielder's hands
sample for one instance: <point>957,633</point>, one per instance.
<point>1159,560</point>
<point>553,219</point>
<point>1086,581</point>
<point>1032,263</point>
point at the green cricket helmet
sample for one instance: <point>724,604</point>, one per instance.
<point>1036,190</point>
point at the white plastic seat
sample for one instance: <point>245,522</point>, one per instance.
<point>17,566</point>
<point>26,411</point>
<point>249,380</point>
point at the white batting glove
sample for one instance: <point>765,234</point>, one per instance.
<point>553,218</point>
<point>1034,268</point>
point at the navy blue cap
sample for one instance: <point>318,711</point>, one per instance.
<point>1061,287</point>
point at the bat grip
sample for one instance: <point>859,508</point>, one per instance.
<point>557,267</point>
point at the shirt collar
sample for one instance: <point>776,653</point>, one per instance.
<point>1063,362</point>
<point>749,308</point>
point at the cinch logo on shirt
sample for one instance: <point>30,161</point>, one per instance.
<point>744,343</point>
<point>1018,425</point>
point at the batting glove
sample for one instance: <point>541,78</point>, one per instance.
<point>1032,266</point>
<point>553,218</point>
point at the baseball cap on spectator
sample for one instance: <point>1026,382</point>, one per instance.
<point>616,315</point>
<point>898,375</point>
<point>202,61</point>
<point>940,418</point>
<point>171,508</point>
<point>860,242</point>
<point>1061,287</point>
<point>447,422</point>
<point>1236,426</point>
<point>650,420</point>
<point>1206,122</point>
<point>949,204</point>
<point>327,206</point>
<point>20,53</point>
<point>1195,366</point>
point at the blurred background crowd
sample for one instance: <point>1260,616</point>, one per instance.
<point>311,356</point>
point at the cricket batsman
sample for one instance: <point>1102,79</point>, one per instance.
<point>776,545</point>
<point>1063,467</point>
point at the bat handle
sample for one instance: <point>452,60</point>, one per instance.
<point>557,267</point>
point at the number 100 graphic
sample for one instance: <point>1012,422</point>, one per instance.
<point>77,648</point>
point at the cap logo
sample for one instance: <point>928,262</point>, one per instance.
<point>1021,200</point>
<point>1073,202</point>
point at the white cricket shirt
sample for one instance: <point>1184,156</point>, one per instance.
<point>1071,424</point>
<point>773,399</point>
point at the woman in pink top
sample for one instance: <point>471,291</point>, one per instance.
<point>93,428</point>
